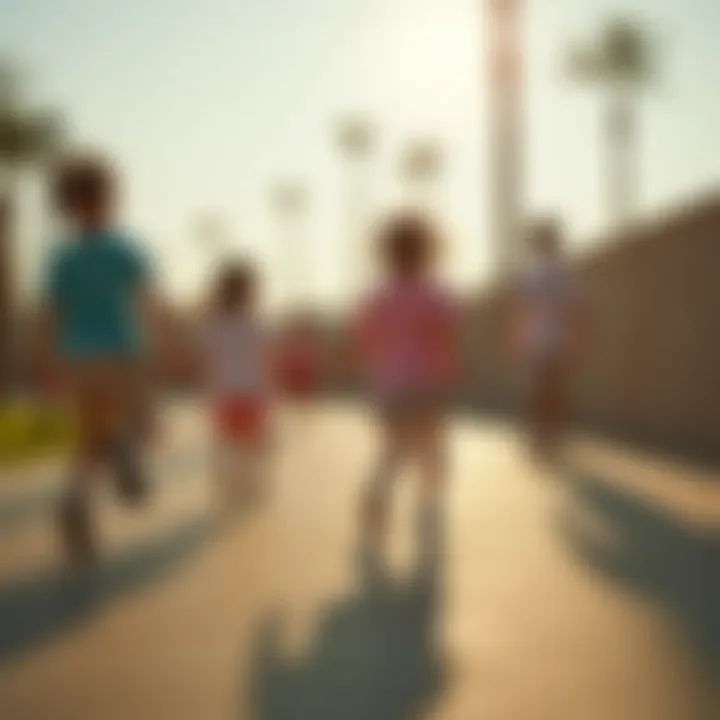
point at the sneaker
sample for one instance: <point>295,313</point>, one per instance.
<point>76,530</point>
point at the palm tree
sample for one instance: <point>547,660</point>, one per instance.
<point>289,200</point>
<point>26,138</point>
<point>619,60</point>
<point>356,140</point>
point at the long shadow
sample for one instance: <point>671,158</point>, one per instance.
<point>374,656</point>
<point>672,563</point>
<point>38,608</point>
<point>39,502</point>
<point>30,505</point>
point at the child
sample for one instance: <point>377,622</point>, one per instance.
<point>236,365</point>
<point>546,332</point>
<point>407,342</point>
<point>96,288</point>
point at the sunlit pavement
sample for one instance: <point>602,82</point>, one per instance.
<point>587,594</point>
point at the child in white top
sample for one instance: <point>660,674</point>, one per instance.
<point>236,367</point>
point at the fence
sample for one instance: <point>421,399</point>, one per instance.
<point>654,373</point>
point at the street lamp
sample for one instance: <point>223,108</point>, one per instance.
<point>289,200</point>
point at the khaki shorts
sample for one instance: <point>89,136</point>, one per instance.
<point>412,405</point>
<point>105,395</point>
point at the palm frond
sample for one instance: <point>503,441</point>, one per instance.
<point>422,159</point>
<point>627,51</point>
<point>355,136</point>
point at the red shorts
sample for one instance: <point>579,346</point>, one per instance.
<point>300,385</point>
<point>299,379</point>
<point>241,418</point>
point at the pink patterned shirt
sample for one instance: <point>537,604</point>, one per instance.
<point>407,336</point>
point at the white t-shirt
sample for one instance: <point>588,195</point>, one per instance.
<point>235,350</point>
<point>549,297</point>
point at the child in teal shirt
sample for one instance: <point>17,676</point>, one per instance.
<point>96,285</point>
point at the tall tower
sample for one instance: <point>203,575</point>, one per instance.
<point>505,47</point>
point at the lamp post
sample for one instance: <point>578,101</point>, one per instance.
<point>289,201</point>
<point>356,140</point>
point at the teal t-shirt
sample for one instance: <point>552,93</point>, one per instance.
<point>92,284</point>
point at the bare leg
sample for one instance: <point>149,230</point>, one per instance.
<point>224,467</point>
<point>552,407</point>
<point>375,498</point>
<point>257,474</point>
<point>129,434</point>
<point>430,441</point>
<point>75,512</point>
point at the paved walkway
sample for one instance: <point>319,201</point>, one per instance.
<point>592,594</point>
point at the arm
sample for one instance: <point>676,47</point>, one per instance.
<point>155,319</point>
<point>42,347</point>
<point>270,359</point>
<point>157,325</point>
<point>44,327</point>
<point>582,330</point>
<point>178,350</point>
<point>512,328</point>
<point>352,346</point>
<point>515,317</point>
<point>447,338</point>
<point>455,341</point>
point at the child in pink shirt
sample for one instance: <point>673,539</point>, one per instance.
<point>407,342</point>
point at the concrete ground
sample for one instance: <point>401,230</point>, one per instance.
<point>588,593</point>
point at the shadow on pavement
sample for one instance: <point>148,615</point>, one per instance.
<point>38,503</point>
<point>28,506</point>
<point>672,563</point>
<point>374,656</point>
<point>38,608</point>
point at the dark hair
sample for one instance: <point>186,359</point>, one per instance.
<point>408,242</point>
<point>83,182</point>
<point>546,236</point>
<point>235,287</point>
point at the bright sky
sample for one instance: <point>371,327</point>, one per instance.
<point>207,103</point>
